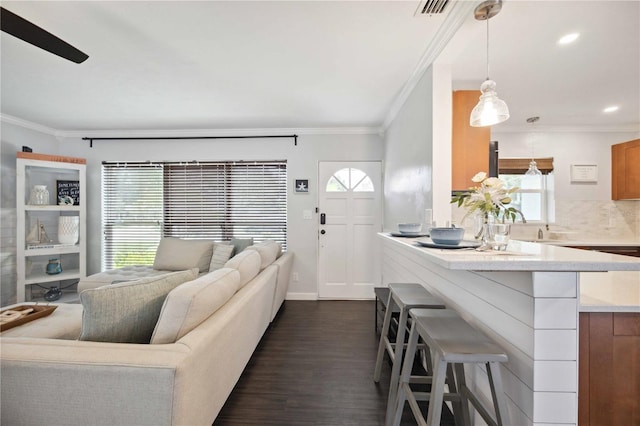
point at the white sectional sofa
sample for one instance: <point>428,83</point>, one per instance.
<point>200,345</point>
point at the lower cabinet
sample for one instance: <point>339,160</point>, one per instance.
<point>609,369</point>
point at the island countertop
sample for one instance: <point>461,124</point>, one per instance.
<point>520,256</point>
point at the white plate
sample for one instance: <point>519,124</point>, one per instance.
<point>408,234</point>
<point>463,244</point>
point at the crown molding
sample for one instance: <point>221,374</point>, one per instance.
<point>458,14</point>
<point>220,132</point>
<point>631,128</point>
<point>189,132</point>
<point>9,119</point>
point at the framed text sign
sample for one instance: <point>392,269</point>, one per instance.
<point>68,192</point>
<point>584,173</point>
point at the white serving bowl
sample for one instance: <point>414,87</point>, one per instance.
<point>449,236</point>
<point>409,228</point>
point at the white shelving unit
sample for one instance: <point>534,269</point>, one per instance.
<point>39,169</point>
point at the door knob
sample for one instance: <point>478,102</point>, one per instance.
<point>323,232</point>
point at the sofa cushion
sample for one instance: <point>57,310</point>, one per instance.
<point>188,305</point>
<point>113,276</point>
<point>127,312</point>
<point>175,254</point>
<point>221,253</point>
<point>269,252</point>
<point>247,263</point>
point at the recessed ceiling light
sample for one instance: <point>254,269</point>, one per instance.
<point>569,38</point>
<point>612,108</point>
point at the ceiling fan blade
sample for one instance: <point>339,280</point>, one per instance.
<point>19,27</point>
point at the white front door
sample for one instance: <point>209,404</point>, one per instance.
<point>350,202</point>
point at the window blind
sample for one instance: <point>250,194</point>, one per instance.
<point>211,200</point>
<point>131,213</point>
<point>515,166</point>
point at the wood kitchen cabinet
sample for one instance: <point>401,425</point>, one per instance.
<point>470,145</point>
<point>625,170</point>
<point>609,369</point>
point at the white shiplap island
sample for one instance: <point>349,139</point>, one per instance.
<point>527,300</point>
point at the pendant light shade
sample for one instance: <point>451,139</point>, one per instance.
<point>533,166</point>
<point>490,109</point>
<point>533,169</point>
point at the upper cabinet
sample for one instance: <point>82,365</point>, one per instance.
<point>625,170</point>
<point>470,145</point>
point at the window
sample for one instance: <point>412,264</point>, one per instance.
<point>349,179</point>
<point>535,198</point>
<point>198,200</point>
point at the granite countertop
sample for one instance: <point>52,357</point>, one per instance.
<point>615,291</point>
<point>521,256</point>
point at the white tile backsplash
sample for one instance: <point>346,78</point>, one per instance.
<point>579,220</point>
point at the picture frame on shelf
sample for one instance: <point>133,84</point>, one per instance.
<point>68,192</point>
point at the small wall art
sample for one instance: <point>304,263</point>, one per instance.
<point>584,173</point>
<point>301,186</point>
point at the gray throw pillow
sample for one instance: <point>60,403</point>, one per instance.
<point>175,254</point>
<point>127,312</point>
<point>240,244</point>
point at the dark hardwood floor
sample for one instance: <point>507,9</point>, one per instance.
<point>314,366</point>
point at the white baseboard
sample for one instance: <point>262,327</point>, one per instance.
<point>301,296</point>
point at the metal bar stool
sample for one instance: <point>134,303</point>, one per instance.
<point>405,297</point>
<point>453,341</point>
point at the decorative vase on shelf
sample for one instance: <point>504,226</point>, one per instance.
<point>68,229</point>
<point>39,195</point>
<point>54,267</point>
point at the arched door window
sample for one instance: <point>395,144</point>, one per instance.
<point>349,179</point>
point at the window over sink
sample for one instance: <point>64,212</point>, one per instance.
<point>535,199</point>
<point>145,201</point>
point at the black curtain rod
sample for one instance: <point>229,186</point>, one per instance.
<point>295,138</point>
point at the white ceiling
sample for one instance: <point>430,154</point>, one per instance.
<point>310,64</point>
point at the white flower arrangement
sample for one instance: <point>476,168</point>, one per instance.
<point>490,198</point>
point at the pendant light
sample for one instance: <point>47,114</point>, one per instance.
<point>490,109</point>
<point>533,166</point>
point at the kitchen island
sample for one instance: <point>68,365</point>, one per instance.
<point>527,300</point>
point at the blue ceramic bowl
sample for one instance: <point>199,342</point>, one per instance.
<point>409,228</point>
<point>449,236</point>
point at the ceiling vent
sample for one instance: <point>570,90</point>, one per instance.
<point>431,7</point>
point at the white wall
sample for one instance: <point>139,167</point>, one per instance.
<point>417,169</point>
<point>13,137</point>
<point>568,148</point>
<point>302,163</point>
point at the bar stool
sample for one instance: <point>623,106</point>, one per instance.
<point>405,297</point>
<point>453,341</point>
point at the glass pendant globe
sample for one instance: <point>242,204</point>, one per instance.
<point>490,109</point>
<point>533,169</point>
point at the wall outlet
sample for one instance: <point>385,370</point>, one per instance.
<point>295,277</point>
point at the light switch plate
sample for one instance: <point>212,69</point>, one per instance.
<point>307,215</point>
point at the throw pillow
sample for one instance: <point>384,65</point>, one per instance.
<point>269,252</point>
<point>188,305</point>
<point>247,263</point>
<point>175,254</point>
<point>239,244</point>
<point>127,312</point>
<point>221,253</point>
